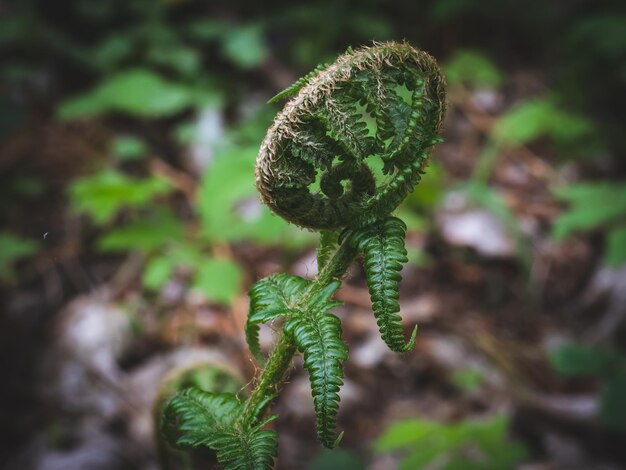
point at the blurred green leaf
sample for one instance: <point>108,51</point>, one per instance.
<point>245,45</point>
<point>143,235</point>
<point>591,205</point>
<point>574,360</point>
<point>491,438</point>
<point>157,272</point>
<point>467,379</point>
<point>475,444</point>
<point>402,433</point>
<point>111,51</point>
<point>178,254</point>
<point>127,148</point>
<point>428,193</point>
<point>472,68</point>
<point>219,280</point>
<point>541,117</point>
<point>184,60</point>
<point>12,249</point>
<point>102,195</point>
<point>137,92</point>
<point>613,402</point>
<point>229,205</point>
<point>616,247</point>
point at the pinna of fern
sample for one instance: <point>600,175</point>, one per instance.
<point>315,169</point>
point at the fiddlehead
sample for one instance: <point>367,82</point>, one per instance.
<point>314,167</point>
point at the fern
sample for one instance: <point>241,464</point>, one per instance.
<point>270,298</point>
<point>209,419</point>
<point>318,336</point>
<point>313,169</point>
<point>324,109</point>
<point>382,245</point>
<point>316,333</point>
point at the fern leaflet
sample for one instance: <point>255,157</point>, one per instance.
<point>209,419</point>
<point>270,298</point>
<point>318,336</point>
<point>382,245</point>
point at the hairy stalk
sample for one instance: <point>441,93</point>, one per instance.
<point>276,370</point>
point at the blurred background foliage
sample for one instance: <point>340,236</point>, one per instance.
<point>129,131</point>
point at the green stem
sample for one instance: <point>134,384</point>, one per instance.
<point>279,361</point>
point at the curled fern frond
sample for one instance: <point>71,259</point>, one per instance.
<point>317,334</point>
<point>270,298</point>
<point>382,245</point>
<point>208,419</point>
<point>321,138</point>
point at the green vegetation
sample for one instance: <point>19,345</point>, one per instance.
<point>596,206</point>
<point>466,445</point>
<point>574,360</point>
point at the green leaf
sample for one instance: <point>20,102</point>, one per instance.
<point>102,195</point>
<point>474,444</point>
<point>157,272</point>
<point>12,249</point>
<point>276,295</point>
<point>143,235</point>
<point>318,337</point>
<point>403,433</point>
<point>382,245</point>
<point>427,195</point>
<point>196,418</point>
<point>473,68</point>
<point>219,280</point>
<point>184,60</point>
<point>574,360</point>
<point>245,45</point>
<point>137,92</point>
<point>468,379</point>
<point>591,205</point>
<point>270,298</point>
<point>128,148</point>
<point>229,207</point>
<point>541,117</point>
<point>316,333</point>
<point>112,50</point>
<point>616,247</point>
